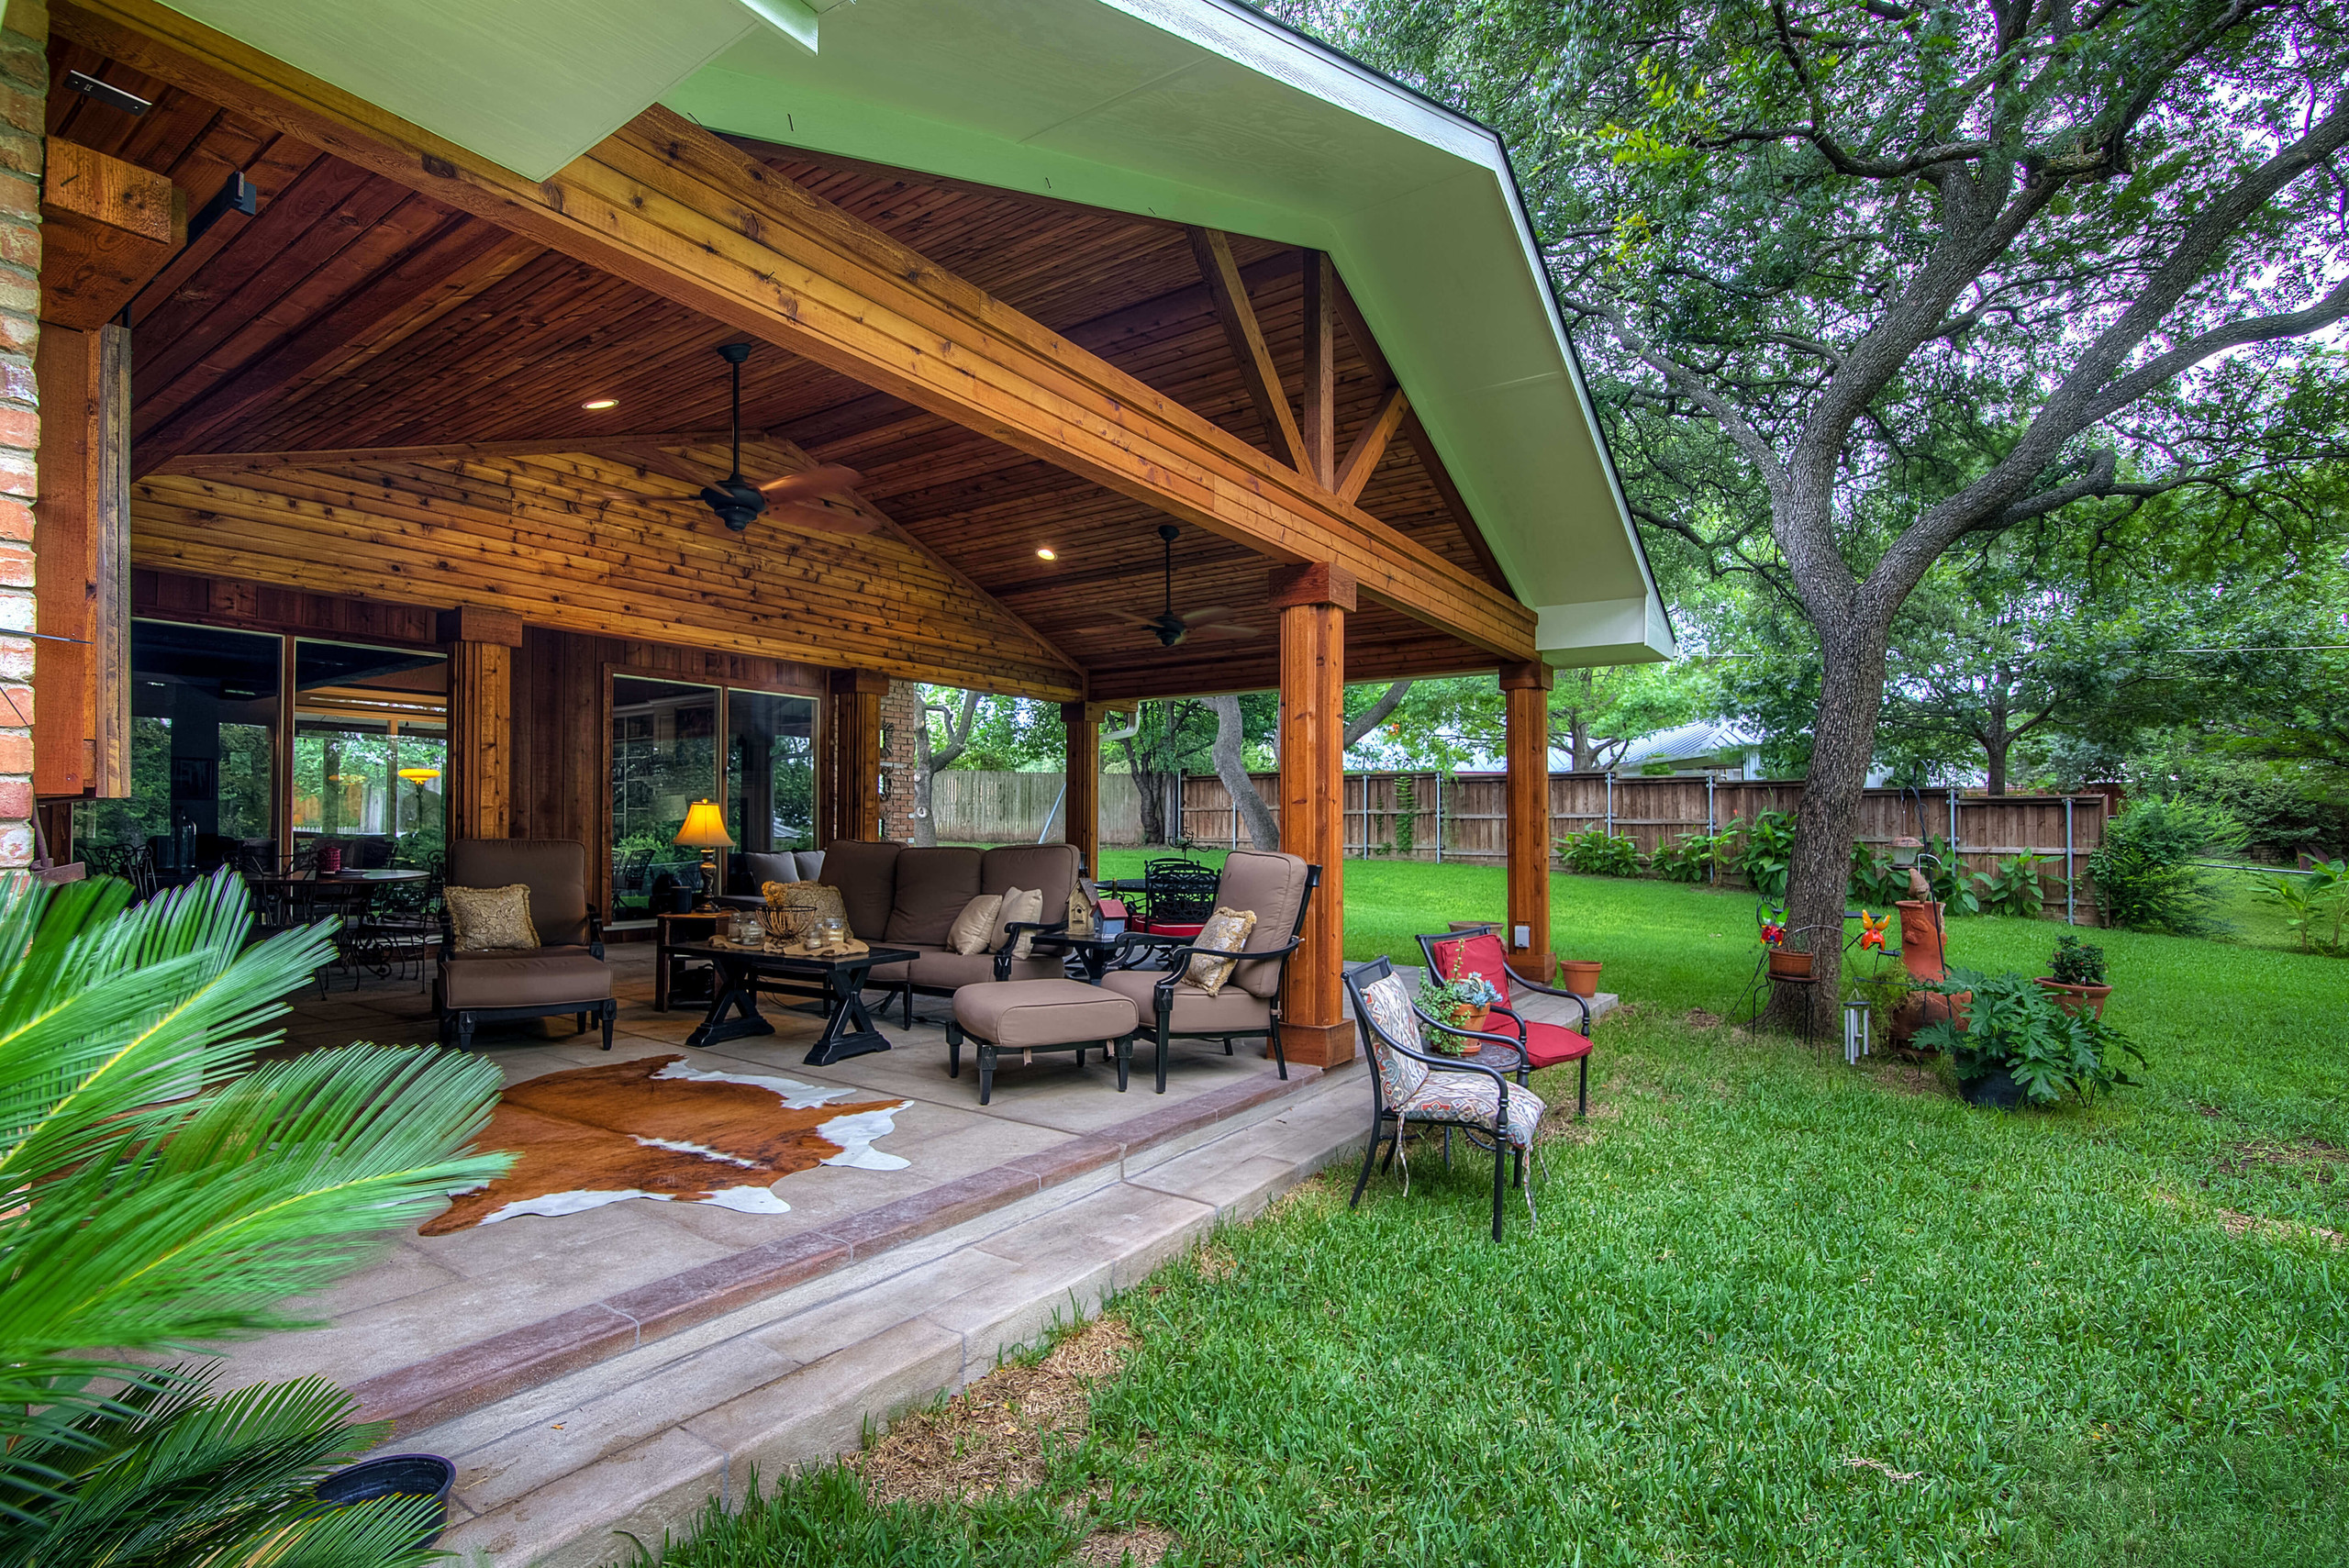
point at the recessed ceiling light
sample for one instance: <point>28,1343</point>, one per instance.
<point>602,403</point>
<point>1046,552</point>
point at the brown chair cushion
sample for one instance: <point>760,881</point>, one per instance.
<point>1051,867</point>
<point>1272,884</point>
<point>1195,1012</point>
<point>933,885</point>
<point>1026,1013</point>
<point>866,874</point>
<point>554,869</point>
<point>544,976</point>
<point>946,970</point>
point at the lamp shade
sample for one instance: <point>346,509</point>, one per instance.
<point>703,828</point>
<point>419,775</point>
<point>1904,852</point>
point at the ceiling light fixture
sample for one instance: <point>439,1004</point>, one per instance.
<point>599,405</point>
<point>1046,552</point>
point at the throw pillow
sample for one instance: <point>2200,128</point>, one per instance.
<point>1018,905</point>
<point>792,907</point>
<point>975,924</point>
<point>484,919</point>
<point>1226,931</point>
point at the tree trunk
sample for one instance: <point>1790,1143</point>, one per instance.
<point>1999,740</point>
<point>1231,767</point>
<point>1376,713</point>
<point>930,760</point>
<point>1843,743</point>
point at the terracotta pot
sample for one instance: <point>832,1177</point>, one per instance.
<point>1464,1016</point>
<point>1580,976</point>
<point>1786,964</point>
<point>2071,998</point>
<point>1920,940</point>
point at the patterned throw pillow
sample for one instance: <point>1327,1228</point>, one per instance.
<point>1019,905</point>
<point>975,924</point>
<point>1226,931</point>
<point>484,920</point>
<point>1399,1076</point>
<point>792,907</point>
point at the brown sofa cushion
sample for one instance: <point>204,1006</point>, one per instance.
<point>555,869</point>
<point>933,884</point>
<point>546,976</point>
<point>1042,1012</point>
<point>1273,885</point>
<point>1051,867</point>
<point>1194,1011</point>
<point>866,874</point>
<point>947,971</point>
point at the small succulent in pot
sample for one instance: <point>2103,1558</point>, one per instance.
<point>1462,1001</point>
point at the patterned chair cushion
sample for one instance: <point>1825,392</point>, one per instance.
<point>1473,1099</point>
<point>1392,1020</point>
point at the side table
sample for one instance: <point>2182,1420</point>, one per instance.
<point>670,961</point>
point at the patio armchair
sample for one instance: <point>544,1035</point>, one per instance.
<point>1178,898</point>
<point>1543,1044</point>
<point>1409,1086</point>
<point>1278,888</point>
<point>565,975</point>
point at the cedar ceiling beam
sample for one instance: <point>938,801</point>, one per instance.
<point>1370,444</point>
<point>459,259</point>
<point>107,226</point>
<point>1321,420</point>
<point>543,446</point>
<point>1222,273</point>
<point>665,204</point>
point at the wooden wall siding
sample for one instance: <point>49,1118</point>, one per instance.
<point>542,538</point>
<point>319,324</point>
<point>256,606</point>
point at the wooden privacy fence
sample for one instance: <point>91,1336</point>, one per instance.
<point>1462,817</point>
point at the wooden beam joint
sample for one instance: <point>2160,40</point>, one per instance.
<point>1316,582</point>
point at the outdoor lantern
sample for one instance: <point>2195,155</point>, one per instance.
<point>1905,852</point>
<point>704,829</point>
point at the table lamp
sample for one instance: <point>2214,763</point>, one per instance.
<point>704,829</point>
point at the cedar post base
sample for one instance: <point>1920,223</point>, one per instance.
<point>1316,1045</point>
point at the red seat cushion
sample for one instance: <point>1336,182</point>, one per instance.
<point>1480,954</point>
<point>1185,932</point>
<point>1546,1045</point>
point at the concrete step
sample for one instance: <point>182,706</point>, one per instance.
<point>637,1443</point>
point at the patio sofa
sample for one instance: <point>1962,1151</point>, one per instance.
<point>904,896</point>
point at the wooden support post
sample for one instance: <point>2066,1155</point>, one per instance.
<point>1313,602</point>
<point>81,554</point>
<point>853,756</point>
<point>1320,425</point>
<point>1525,690</point>
<point>1081,806</point>
<point>480,720</point>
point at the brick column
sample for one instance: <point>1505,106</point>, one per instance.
<point>1525,692</point>
<point>1313,600</point>
<point>24,91</point>
<point>901,714</point>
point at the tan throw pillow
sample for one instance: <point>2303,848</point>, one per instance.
<point>792,907</point>
<point>1226,931</point>
<point>1019,905</point>
<point>976,925</point>
<point>483,919</point>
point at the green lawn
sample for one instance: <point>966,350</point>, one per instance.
<point>1775,1309</point>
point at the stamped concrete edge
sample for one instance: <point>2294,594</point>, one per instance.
<point>470,1376</point>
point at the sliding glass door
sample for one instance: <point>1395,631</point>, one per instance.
<point>770,771</point>
<point>664,757</point>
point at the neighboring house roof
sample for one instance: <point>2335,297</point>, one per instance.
<point>1699,742</point>
<point>1195,111</point>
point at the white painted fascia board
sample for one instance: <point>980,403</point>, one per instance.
<point>1604,631</point>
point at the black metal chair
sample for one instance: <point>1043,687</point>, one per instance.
<point>1409,1086</point>
<point>1177,899</point>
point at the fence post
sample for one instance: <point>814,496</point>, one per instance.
<point>1610,803</point>
<point>2070,915</point>
<point>1438,819</point>
<point>1954,853</point>
<point>1712,871</point>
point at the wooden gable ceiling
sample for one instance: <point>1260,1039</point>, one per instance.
<point>350,313</point>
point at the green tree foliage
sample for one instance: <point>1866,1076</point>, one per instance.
<point>1595,714</point>
<point>2144,872</point>
<point>184,1191</point>
<point>1862,279</point>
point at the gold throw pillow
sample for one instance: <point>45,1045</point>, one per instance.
<point>482,920</point>
<point>1019,904</point>
<point>1226,931</point>
<point>975,924</point>
<point>792,907</point>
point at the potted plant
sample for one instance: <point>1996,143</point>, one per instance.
<point>1785,963</point>
<point>2017,1045</point>
<point>1580,976</point>
<point>1463,1002</point>
<point>2076,976</point>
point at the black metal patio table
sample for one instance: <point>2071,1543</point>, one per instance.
<point>848,1028</point>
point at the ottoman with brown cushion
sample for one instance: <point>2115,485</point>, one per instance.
<point>1039,1015</point>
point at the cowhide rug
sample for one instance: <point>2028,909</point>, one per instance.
<point>657,1128</point>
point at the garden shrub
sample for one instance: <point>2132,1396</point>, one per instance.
<point>1875,882</point>
<point>2144,872</point>
<point>2013,886</point>
<point>2315,907</point>
<point>1767,853</point>
<point>1690,856</point>
<point>1597,852</point>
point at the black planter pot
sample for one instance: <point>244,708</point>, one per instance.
<point>395,1476</point>
<point>1997,1092</point>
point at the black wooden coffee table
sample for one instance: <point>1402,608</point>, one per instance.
<point>839,982</point>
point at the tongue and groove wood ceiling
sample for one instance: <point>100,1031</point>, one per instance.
<point>351,316</point>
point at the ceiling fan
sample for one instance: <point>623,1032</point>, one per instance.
<point>794,498</point>
<point>1170,628</point>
